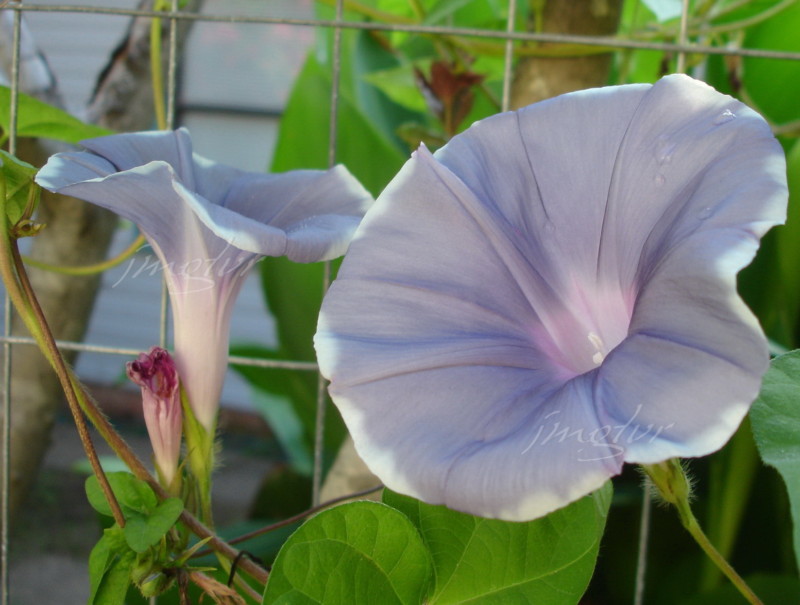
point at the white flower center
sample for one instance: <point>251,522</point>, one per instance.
<point>599,348</point>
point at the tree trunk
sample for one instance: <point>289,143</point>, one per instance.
<point>539,78</point>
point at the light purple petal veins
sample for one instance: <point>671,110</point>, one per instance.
<point>209,224</point>
<point>553,294</point>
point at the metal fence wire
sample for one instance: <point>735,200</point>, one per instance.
<point>680,47</point>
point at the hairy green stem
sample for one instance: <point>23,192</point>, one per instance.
<point>672,484</point>
<point>101,423</point>
<point>40,330</point>
<point>733,471</point>
<point>22,296</point>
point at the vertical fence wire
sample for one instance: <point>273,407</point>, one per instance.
<point>508,59</point>
<point>337,25</point>
<point>5,444</point>
<point>5,496</point>
<point>644,541</point>
<point>683,37</point>
<point>644,522</point>
<point>171,88</point>
<point>333,132</point>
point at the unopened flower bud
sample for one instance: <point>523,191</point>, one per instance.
<point>155,372</point>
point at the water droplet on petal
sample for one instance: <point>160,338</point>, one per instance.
<point>705,213</point>
<point>549,227</point>
<point>664,150</point>
<point>660,179</point>
<point>725,116</point>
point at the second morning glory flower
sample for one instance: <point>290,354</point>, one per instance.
<point>553,294</point>
<point>208,224</point>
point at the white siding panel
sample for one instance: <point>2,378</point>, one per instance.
<point>78,46</point>
<point>246,142</point>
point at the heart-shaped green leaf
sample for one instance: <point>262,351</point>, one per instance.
<point>476,560</point>
<point>143,531</point>
<point>133,495</point>
<point>775,418</point>
<point>110,564</point>
<point>18,179</point>
<point>38,119</point>
<point>362,552</point>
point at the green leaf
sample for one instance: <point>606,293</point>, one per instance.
<point>38,119</point>
<point>444,9</point>
<point>786,298</point>
<point>293,293</point>
<point>133,495</point>
<point>305,125</point>
<point>384,113</point>
<point>18,177</point>
<point>545,561</point>
<point>399,85</point>
<point>362,552</point>
<point>273,388</point>
<point>110,564</point>
<point>775,418</point>
<point>143,531</point>
<point>774,86</point>
<point>287,427</point>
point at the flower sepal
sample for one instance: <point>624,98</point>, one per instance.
<point>671,481</point>
<point>200,449</point>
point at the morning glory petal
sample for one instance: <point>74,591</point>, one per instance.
<point>557,281</point>
<point>126,151</point>
<point>208,224</point>
<point>311,236</point>
<point>71,167</point>
<point>558,159</point>
<point>129,194</point>
<point>700,350</point>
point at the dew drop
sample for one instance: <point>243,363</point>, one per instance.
<point>705,213</point>
<point>659,179</point>
<point>725,116</point>
<point>549,227</point>
<point>664,151</point>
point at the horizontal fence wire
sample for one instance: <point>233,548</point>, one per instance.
<point>603,43</point>
<point>512,41</point>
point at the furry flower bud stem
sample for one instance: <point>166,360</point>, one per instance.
<point>674,487</point>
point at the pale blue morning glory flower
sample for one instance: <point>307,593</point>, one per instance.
<point>553,294</point>
<point>208,224</point>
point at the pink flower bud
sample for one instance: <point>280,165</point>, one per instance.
<point>155,372</point>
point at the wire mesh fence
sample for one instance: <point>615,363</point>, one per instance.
<point>687,41</point>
